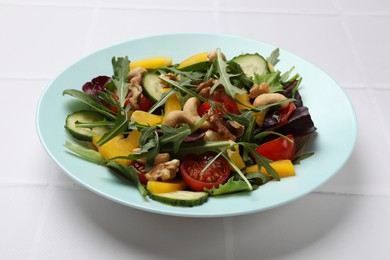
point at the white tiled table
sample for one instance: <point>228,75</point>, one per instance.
<point>45,215</point>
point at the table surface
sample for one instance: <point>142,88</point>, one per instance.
<point>46,215</point>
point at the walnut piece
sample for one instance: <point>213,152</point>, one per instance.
<point>257,90</point>
<point>163,171</point>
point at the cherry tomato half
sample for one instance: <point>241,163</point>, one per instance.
<point>191,171</point>
<point>278,149</point>
<point>227,102</point>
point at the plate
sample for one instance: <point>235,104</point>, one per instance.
<point>329,106</point>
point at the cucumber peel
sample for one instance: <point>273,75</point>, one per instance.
<point>181,198</point>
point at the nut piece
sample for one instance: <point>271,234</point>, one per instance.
<point>160,158</point>
<point>135,88</point>
<point>163,171</point>
<point>176,117</point>
<point>204,88</point>
<point>257,90</point>
<point>136,72</point>
<point>269,98</point>
<point>189,115</point>
<point>227,130</point>
<point>212,55</point>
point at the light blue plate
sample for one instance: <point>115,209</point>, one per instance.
<point>329,106</point>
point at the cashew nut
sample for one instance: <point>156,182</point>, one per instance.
<point>269,98</point>
<point>266,99</point>
<point>176,117</point>
<point>189,115</point>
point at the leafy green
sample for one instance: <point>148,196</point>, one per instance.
<point>130,173</point>
<point>224,77</point>
<point>174,136</point>
<point>261,161</point>
<point>86,154</point>
<point>241,79</point>
<point>230,186</point>
<point>304,156</point>
<point>274,57</point>
<point>120,126</point>
<point>183,87</point>
<point>272,79</point>
<point>121,70</point>
<point>90,101</point>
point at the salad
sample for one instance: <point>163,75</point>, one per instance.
<point>184,132</point>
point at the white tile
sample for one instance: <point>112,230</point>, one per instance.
<point>138,23</point>
<point>371,39</point>
<point>23,158</point>
<point>281,6</point>
<point>42,40</point>
<point>382,98</point>
<point>366,172</point>
<point>317,226</point>
<point>363,6</point>
<point>20,214</point>
<point>80,224</point>
<point>50,2</point>
<point>319,39</point>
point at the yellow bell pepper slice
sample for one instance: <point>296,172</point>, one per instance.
<point>145,118</point>
<point>243,101</point>
<point>236,157</point>
<point>172,104</point>
<point>151,63</point>
<point>163,187</point>
<point>197,58</point>
<point>118,146</point>
<point>283,168</point>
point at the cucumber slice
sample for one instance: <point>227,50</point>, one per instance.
<point>84,133</point>
<point>152,86</point>
<point>252,63</point>
<point>181,198</point>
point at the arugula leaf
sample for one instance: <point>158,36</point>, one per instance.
<point>161,101</point>
<point>183,86</point>
<point>130,173</point>
<point>258,178</point>
<point>261,161</point>
<point>224,77</point>
<point>273,58</point>
<point>230,186</point>
<point>241,79</point>
<point>90,101</point>
<point>298,159</point>
<point>120,126</point>
<point>263,134</point>
<point>174,135</point>
<point>121,70</point>
<point>86,154</point>
<point>238,170</point>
